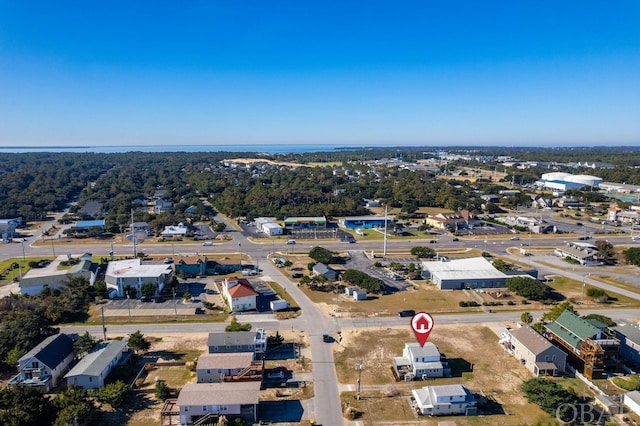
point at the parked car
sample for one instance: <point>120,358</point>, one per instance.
<point>210,291</point>
<point>199,311</point>
<point>145,299</point>
<point>275,375</point>
<point>406,313</point>
<point>326,338</point>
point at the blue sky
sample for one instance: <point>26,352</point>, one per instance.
<point>334,72</point>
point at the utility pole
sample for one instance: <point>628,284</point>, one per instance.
<point>384,248</point>
<point>359,368</point>
<point>104,329</point>
<point>133,237</point>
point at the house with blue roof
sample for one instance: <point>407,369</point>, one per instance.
<point>43,366</point>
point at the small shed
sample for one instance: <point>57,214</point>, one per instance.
<point>360,294</point>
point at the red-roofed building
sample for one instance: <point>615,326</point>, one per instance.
<point>239,294</point>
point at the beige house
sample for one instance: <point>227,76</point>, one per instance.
<point>449,220</point>
<point>584,253</point>
<point>533,351</point>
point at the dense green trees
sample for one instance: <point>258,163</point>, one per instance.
<point>25,406</point>
<point>138,342</point>
<point>632,255</point>
<point>528,287</point>
<point>551,397</point>
<point>321,255</point>
<point>423,252</point>
<point>362,280</point>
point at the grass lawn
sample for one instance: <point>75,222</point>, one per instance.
<point>572,289</point>
<point>8,275</point>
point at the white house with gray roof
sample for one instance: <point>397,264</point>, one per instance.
<point>232,399</point>
<point>444,400</point>
<point>214,367</point>
<point>54,278</point>
<point>420,362</point>
<point>94,367</point>
<point>238,341</point>
<point>132,273</point>
<point>533,351</point>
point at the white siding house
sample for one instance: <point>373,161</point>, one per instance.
<point>132,273</point>
<point>232,399</point>
<point>94,368</point>
<point>43,366</point>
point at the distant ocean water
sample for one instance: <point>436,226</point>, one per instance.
<point>263,148</point>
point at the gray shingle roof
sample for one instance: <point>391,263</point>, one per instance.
<point>219,393</point>
<point>630,332</point>
<point>97,361</point>
<point>224,361</point>
<point>234,338</point>
<point>531,339</point>
<point>51,351</point>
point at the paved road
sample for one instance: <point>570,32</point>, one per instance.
<point>325,407</point>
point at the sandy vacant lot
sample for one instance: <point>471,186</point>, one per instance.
<point>477,362</point>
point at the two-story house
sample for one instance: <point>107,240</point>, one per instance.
<point>590,348</point>
<point>219,367</point>
<point>420,362</point>
<point>629,336</point>
<point>445,400</point>
<point>43,366</point>
<point>239,294</point>
<point>198,401</point>
<point>238,341</point>
<point>533,351</point>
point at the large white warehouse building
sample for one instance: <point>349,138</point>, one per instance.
<point>564,181</point>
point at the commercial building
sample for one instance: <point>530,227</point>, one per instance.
<point>365,222</point>
<point>459,274</point>
<point>564,181</point>
<point>305,222</point>
<point>132,273</point>
<point>268,226</point>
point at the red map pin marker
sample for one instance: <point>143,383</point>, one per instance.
<point>422,324</point>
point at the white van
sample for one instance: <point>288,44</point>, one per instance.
<point>207,243</point>
<point>291,242</point>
